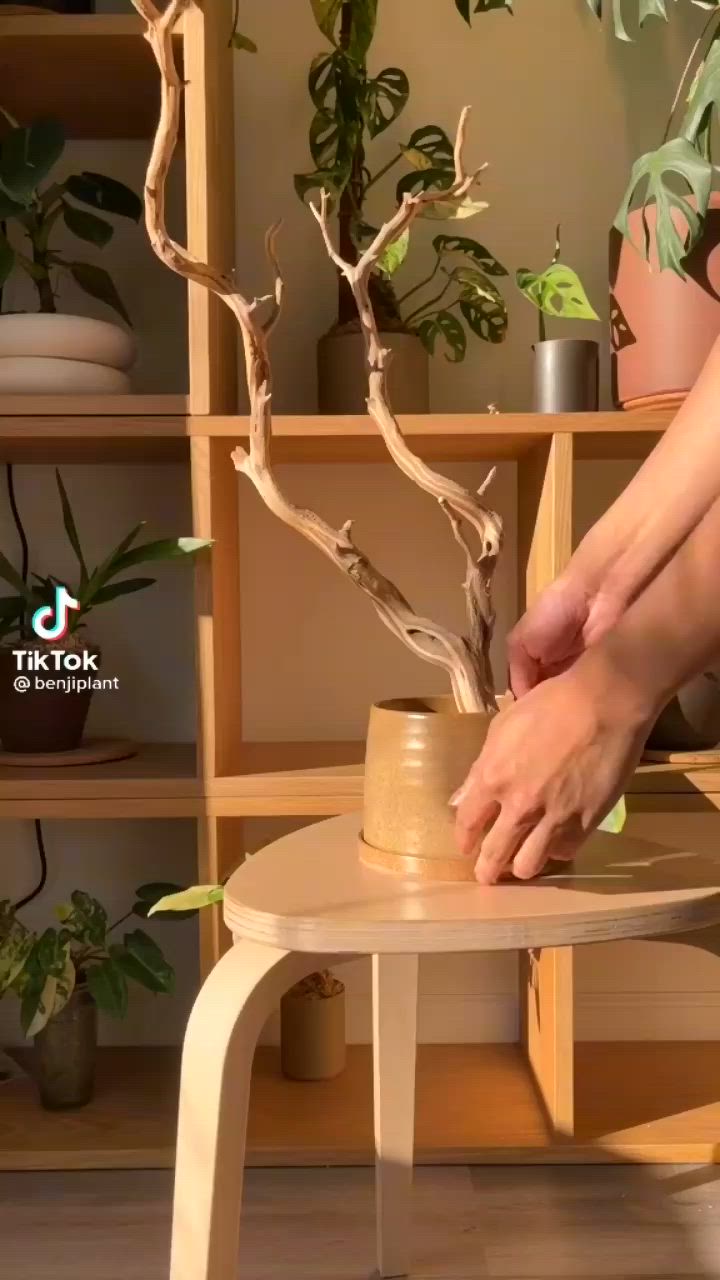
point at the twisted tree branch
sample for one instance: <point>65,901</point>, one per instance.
<point>460,658</point>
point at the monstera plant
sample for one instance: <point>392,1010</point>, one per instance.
<point>353,108</point>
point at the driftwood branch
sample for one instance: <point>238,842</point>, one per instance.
<point>462,507</point>
<point>463,661</point>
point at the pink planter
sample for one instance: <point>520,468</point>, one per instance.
<point>662,327</point>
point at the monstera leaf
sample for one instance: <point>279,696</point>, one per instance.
<point>478,256</point>
<point>464,7</point>
<point>645,9</point>
<point>395,254</point>
<point>446,326</point>
<point>680,159</point>
<point>387,95</point>
<point>556,291</point>
<point>615,819</point>
<point>429,148</point>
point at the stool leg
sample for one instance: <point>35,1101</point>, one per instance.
<point>220,1041</point>
<point>395,986</point>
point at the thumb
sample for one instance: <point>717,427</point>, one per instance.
<point>523,669</point>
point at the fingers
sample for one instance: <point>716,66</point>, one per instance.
<point>523,669</point>
<point>476,811</point>
<point>544,842</point>
<point>500,846</point>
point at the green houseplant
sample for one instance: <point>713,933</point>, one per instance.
<point>65,974</point>
<point>49,715</point>
<point>44,351</point>
<point>353,108</point>
<point>565,369</point>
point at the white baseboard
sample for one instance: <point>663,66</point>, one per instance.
<point>647,1015</point>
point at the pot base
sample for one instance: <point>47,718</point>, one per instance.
<point>90,751</point>
<point>664,400</point>
<point>449,870</point>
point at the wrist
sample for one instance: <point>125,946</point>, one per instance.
<point>624,680</point>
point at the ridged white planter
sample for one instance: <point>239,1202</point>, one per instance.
<point>41,354</point>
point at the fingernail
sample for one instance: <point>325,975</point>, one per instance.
<point>458,796</point>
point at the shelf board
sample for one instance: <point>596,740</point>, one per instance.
<point>93,429</point>
<point>325,778</point>
<point>159,782</point>
<point>94,72</point>
<point>648,1101</point>
<point>446,436</point>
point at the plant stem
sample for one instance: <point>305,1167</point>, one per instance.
<point>120,921</point>
<point>421,285</point>
<point>542,327</point>
<point>41,278</point>
<point>381,172</point>
<point>430,302</point>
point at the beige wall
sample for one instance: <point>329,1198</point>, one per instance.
<point>559,110</point>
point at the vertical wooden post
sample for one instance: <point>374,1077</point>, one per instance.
<point>545,489</point>
<point>210,201</point>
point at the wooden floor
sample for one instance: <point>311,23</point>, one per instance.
<point>554,1223</point>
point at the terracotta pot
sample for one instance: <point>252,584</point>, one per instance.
<point>65,1054</point>
<point>342,379</point>
<point>312,1036</point>
<point>419,751</point>
<point>40,719</point>
<point>691,721</point>
<point>565,376</point>
<point>42,354</point>
<point>662,327</point>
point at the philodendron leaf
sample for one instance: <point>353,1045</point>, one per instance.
<point>142,961</point>
<point>395,254</point>
<point>48,981</point>
<point>387,95</point>
<point>108,987</point>
<point>557,291</point>
<point>87,921</point>
<point>446,326</point>
<point>616,818</point>
<point>476,253</point>
<point>96,282</point>
<point>677,158</point>
<point>199,895</point>
<point>16,943</point>
<point>148,896</point>
<point>27,156</point>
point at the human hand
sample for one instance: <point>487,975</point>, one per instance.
<point>552,767</point>
<point>564,620</point>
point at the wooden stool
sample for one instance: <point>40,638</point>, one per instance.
<point>306,903</point>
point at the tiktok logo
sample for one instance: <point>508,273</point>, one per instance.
<point>50,622</point>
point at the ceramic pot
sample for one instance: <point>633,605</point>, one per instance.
<point>419,751</point>
<point>65,1055</point>
<point>691,721</point>
<point>312,1036</point>
<point>565,376</point>
<point>662,327</point>
<point>40,719</point>
<point>342,377</point>
<point>44,354</point>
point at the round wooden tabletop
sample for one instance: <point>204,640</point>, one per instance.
<point>310,892</point>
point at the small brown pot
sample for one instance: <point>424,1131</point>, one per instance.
<point>40,719</point>
<point>419,751</point>
<point>65,1055</point>
<point>662,327</point>
<point>312,1034</point>
<point>691,721</point>
<point>342,376</point>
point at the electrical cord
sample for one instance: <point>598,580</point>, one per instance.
<point>25,568</point>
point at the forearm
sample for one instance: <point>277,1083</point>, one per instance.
<point>664,502</point>
<point>670,632</point>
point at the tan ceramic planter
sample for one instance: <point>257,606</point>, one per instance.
<point>419,751</point>
<point>342,377</point>
<point>312,1036</point>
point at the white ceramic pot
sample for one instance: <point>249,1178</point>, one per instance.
<point>38,375</point>
<point>67,338</point>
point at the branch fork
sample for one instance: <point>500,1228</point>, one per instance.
<point>464,658</point>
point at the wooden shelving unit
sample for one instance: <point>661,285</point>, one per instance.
<point>494,1103</point>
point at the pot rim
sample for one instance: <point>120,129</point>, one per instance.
<point>56,317</point>
<point>421,706</point>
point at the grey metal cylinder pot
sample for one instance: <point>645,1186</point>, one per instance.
<point>565,376</point>
<point>691,721</point>
<point>65,1054</point>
